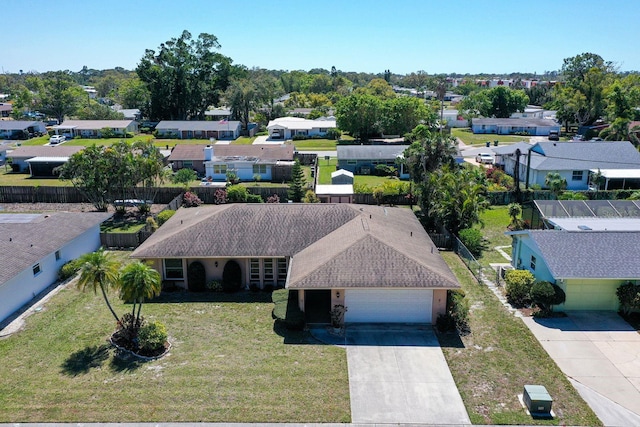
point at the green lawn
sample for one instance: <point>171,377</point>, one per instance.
<point>228,364</point>
<point>8,178</point>
<point>470,138</point>
<point>492,364</point>
<point>315,144</point>
<point>326,167</point>
<point>495,219</point>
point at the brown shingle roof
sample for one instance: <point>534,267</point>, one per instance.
<point>331,245</point>
<point>264,152</point>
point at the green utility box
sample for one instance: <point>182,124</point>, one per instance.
<point>537,399</point>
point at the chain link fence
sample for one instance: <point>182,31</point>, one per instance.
<point>478,271</point>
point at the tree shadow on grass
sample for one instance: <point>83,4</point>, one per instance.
<point>125,362</point>
<point>82,361</point>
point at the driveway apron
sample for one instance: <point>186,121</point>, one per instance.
<point>398,374</point>
<point>600,353</point>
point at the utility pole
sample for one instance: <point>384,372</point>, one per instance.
<point>526,185</point>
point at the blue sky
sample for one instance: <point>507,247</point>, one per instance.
<point>462,36</point>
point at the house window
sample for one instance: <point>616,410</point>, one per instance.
<point>281,264</point>
<point>576,176</point>
<point>187,164</point>
<point>254,269</point>
<point>36,269</point>
<point>268,270</point>
<point>261,169</point>
<point>173,269</point>
<point>351,162</point>
<point>220,169</point>
<point>323,130</point>
<point>58,256</point>
<point>532,264</point>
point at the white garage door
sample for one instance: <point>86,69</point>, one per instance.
<point>388,305</point>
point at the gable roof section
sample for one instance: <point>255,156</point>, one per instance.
<point>589,254</point>
<point>17,124</point>
<point>27,152</point>
<point>383,247</point>
<point>585,155</point>
<point>369,152</point>
<point>93,124</point>
<point>298,123</point>
<point>196,125</point>
<point>516,122</point>
<point>35,236</point>
<point>196,152</point>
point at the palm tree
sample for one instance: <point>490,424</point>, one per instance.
<point>621,130</point>
<point>99,270</point>
<point>137,282</point>
<point>555,183</point>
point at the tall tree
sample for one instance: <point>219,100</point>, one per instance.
<point>185,76</point>
<point>556,183</point>
<point>359,114</point>
<point>429,150</point>
<point>498,102</point>
<point>137,282</point>
<point>242,97</point>
<point>298,186</point>
<point>60,96</point>
<point>99,270</point>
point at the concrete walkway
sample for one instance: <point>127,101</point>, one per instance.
<point>398,374</point>
<point>600,353</point>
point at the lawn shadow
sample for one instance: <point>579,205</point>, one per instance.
<point>292,336</point>
<point>82,361</point>
<point>449,339</point>
<point>124,361</point>
<point>184,296</point>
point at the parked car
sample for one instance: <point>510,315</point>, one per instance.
<point>554,135</point>
<point>486,158</point>
<point>56,139</point>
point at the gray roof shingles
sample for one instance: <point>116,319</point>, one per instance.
<point>266,152</point>
<point>26,152</point>
<point>24,244</point>
<point>590,254</point>
<point>197,125</point>
<point>331,245</point>
<point>365,152</point>
<point>585,155</point>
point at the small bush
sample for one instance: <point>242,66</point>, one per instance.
<point>152,337</point>
<point>545,295</point>
<point>220,197</point>
<point>254,198</point>
<point>334,133</point>
<point>629,297</point>
<point>191,200</point>
<point>164,216</point>
<point>474,241</point>
<point>151,224</point>
<point>69,269</point>
<point>237,194</point>
<point>384,170</point>
<point>518,286</point>
<point>273,199</point>
<point>299,137</point>
<point>129,135</point>
<point>214,286</point>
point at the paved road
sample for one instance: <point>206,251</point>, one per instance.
<point>398,374</point>
<point>600,353</point>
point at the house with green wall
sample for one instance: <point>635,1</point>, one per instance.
<point>589,265</point>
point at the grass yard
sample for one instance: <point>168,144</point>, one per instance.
<point>8,178</point>
<point>326,167</point>
<point>228,364</point>
<point>470,138</point>
<point>492,364</point>
<point>315,144</point>
<point>496,219</point>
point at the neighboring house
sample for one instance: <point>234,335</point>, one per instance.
<point>34,247</point>
<point>21,129</point>
<point>3,154</point>
<point>95,128</point>
<point>530,112</point>
<point>218,114</point>
<point>198,129</point>
<point>503,152</point>
<point>288,127</point>
<point>617,161</point>
<point>454,119</point>
<point>335,193</point>
<point>378,262</point>
<point>5,110</point>
<point>46,157</point>
<point>363,159</point>
<point>130,113</point>
<point>588,265</point>
<point>270,160</point>
<point>533,127</point>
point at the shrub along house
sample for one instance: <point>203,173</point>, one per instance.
<point>378,262</point>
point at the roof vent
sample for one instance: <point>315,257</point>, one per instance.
<point>584,227</point>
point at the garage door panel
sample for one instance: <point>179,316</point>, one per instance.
<point>388,305</point>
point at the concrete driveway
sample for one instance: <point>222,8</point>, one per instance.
<point>398,374</point>
<point>600,353</point>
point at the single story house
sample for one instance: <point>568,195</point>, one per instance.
<point>453,118</point>
<point>95,128</point>
<point>530,112</point>
<point>363,159</point>
<point>288,127</point>
<point>588,265</point>
<point>130,113</point>
<point>611,215</point>
<point>218,114</point>
<point>378,262</point>
<point>271,160</point>
<point>34,247</point>
<point>198,129</point>
<point>533,127</point>
<point>618,162</point>
<point>3,154</point>
<point>25,157</point>
<point>5,109</point>
<point>21,129</point>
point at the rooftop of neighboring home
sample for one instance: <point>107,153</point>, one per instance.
<point>299,123</point>
<point>26,238</point>
<point>196,152</point>
<point>218,112</point>
<point>93,124</point>
<point>45,151</point>
<point>17,124</point>
<point>585,215</point>
<point>519,122</point>
<point>334,189</point>
<point>588,254</point>
<point>366,152</point>
<point>355,245</point>
<point>585,155</point>
<point>197,125</point>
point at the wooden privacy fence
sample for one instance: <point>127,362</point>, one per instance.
<point>124,240</point>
